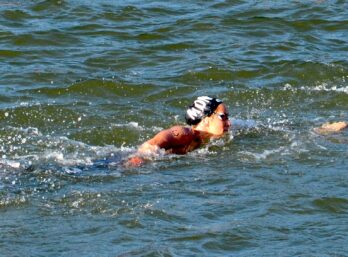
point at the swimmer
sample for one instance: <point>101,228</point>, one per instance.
<point>328,128</point>
<point>207,118</point>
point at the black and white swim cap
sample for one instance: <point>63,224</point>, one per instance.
<point>202,106</point>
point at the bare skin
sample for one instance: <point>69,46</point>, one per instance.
<point>328,128</point>
<point>181,140</point>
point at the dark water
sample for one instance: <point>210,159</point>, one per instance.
<point>84,82</point>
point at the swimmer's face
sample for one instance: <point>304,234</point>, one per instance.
<point>219,122</point>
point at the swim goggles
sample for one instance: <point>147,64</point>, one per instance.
<point>222,116</point>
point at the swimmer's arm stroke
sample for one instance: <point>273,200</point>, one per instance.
<point>165,139</point>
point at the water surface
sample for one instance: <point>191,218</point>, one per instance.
<point>83,83</point>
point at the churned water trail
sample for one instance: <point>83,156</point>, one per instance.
<point>84,83</point>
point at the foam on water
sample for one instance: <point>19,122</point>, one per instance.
<point>25,147</point>
<point>4,163</point>
<point>324,87</point>
<point>135,125</point>
<point>131,124</point>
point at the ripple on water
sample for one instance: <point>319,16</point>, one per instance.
<point>333,205</point>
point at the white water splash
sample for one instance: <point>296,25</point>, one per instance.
<point>326,88</point>
<point>24,147</point>
<point>265,154</point>
<point>322,87</point>
<point>136,126</point>
<point>9,164</point>
<point>131,124</point>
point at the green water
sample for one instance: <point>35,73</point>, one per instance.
<point>84,83</point>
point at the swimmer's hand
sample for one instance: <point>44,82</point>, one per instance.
<point>134,162</point>
<point>328,128</point>
<point>145,152</point>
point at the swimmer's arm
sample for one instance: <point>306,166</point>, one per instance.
<point>328,128</point>
<point>144,151</point>
<point>162,140</point>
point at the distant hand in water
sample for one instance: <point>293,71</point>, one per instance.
<point>328,128</point>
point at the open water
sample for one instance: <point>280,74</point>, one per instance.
<point>83,83</point>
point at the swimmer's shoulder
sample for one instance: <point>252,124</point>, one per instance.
<point>181,136</point>
<point>181,131</point>
<point>172,136</point>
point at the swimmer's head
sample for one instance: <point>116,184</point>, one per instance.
<point>201,107</point>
